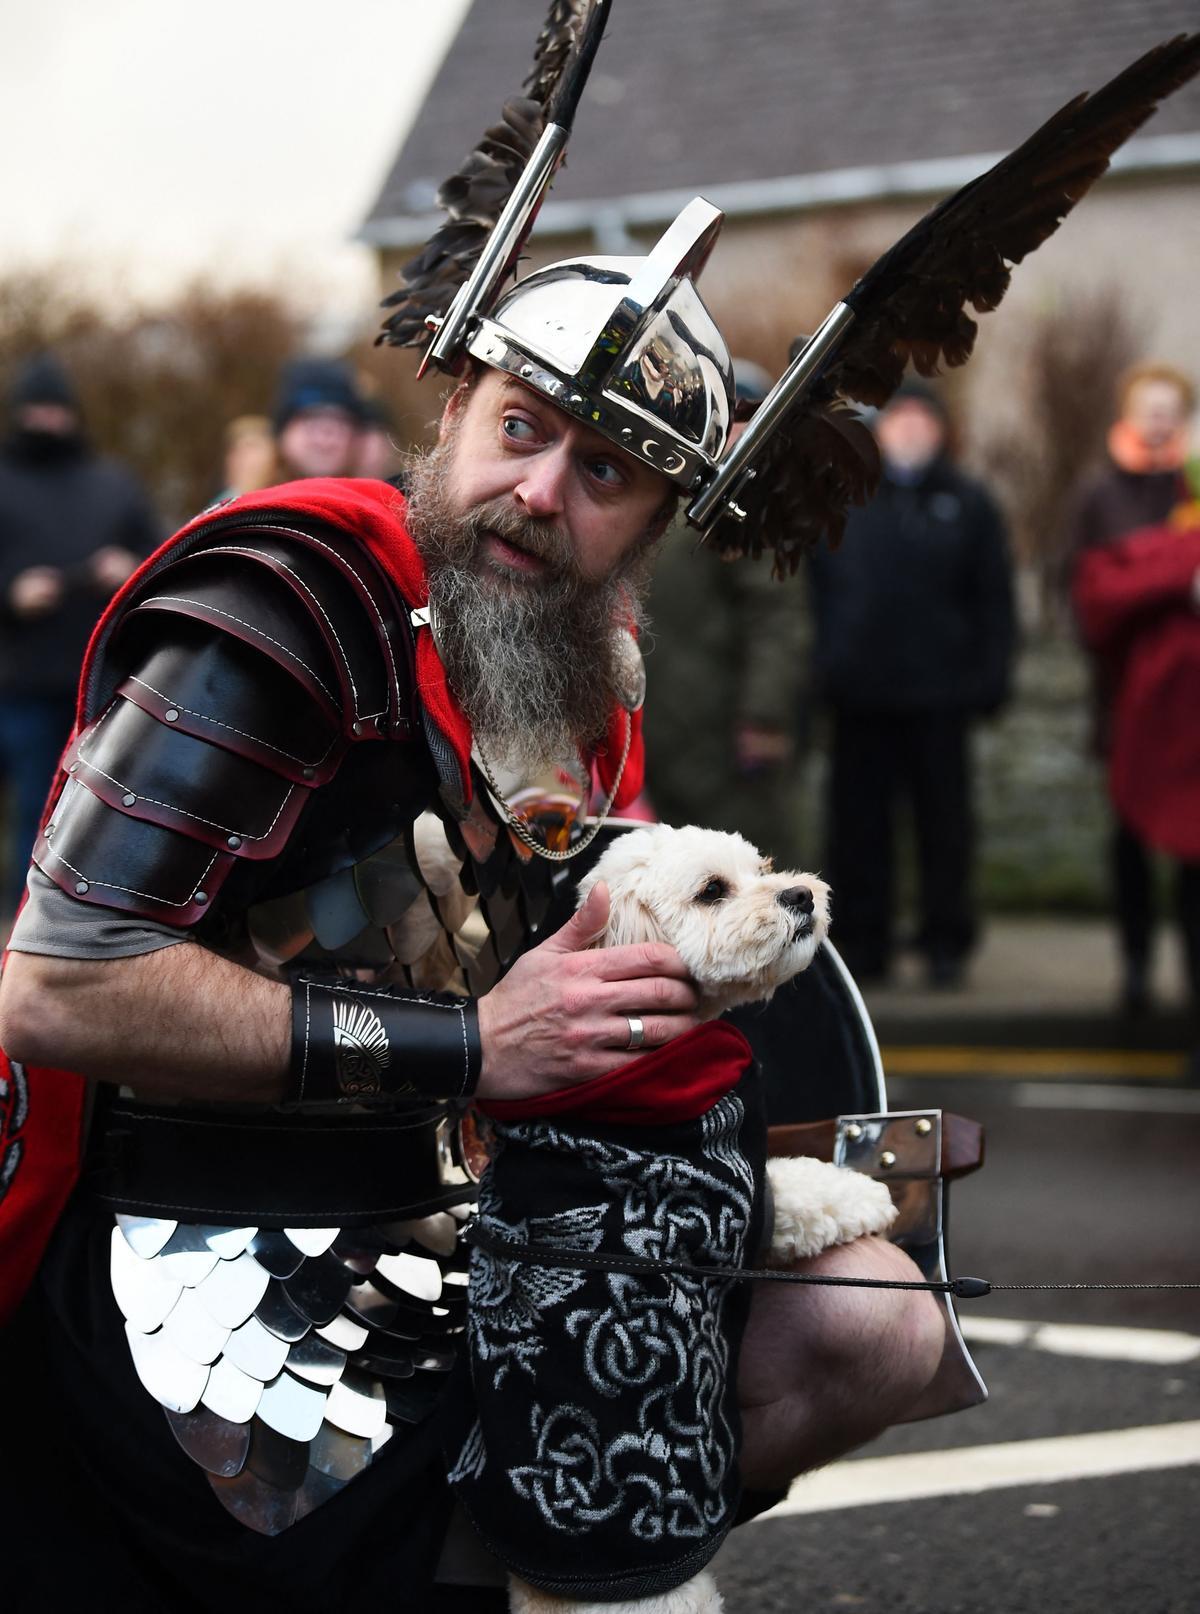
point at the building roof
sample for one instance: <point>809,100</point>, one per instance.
<point>767,104</point>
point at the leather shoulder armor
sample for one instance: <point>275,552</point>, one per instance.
<point>227,691</point>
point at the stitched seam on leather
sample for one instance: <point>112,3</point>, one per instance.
<point>109,885</point>
<point>233,729</point>
<point>203,605</point>
<point>307,1035</point>
<point>341,559</point>
<point>171,806</point>
<point>242,549</point>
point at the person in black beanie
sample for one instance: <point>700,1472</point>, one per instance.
<point>319,419</point>
<point>914,620</point>
<point>72,528</point>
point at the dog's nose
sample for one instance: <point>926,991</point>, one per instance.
<point>799,897</point>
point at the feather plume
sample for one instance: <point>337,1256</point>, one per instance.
<point>911,305</point>
<point>475,195</point>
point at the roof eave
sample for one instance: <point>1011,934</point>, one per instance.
<point>791,193</point>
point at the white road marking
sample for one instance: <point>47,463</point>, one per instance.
<point>870,1481</point>
<point>1092,1096</point>
<point>1161,1347</point>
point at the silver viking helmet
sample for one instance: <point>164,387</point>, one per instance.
<point>627,345</point>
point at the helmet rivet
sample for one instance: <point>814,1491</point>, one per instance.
<point>200,897</point>
<point>923,1127</point>
<point>626,432</point>
<point>128,799</point>
<point>171,715</point>
<point>887,1159</point>
<point>854,1131</point>
<point>310,773</point>
<point>577,398</point>
<point>82,888</point>
<point>526,371</point>
<point>234,842</point>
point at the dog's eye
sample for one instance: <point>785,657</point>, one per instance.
<point>714,891</point>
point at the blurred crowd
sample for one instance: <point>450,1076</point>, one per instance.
<point>883,656</point>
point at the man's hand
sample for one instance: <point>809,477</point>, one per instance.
<point>561,1013</point>
<point>35,591</point>
<point>109,567</point>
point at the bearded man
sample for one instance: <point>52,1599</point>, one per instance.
<point>206,952</point>
<point>293,902</point>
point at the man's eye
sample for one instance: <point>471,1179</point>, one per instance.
<point>608,473</point>
<point>715,890</point>
<point>520,431</point>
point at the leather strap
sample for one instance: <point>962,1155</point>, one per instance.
<point>272,1170</point>
<point>356,1044</point>
<point>962,1142</point>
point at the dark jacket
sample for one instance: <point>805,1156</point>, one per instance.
<point>59,504</point>
<point>914,611</point>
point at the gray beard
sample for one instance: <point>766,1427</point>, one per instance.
<point>535,663</point>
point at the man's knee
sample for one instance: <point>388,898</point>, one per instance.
<point>827,1369</point>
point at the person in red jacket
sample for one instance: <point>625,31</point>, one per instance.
<point>1136,591</point>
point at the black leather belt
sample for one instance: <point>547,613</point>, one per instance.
<point>273,1170</point>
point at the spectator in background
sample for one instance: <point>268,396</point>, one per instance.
<point>377,453</point>
<point>725,662</point>
<point>1136,548</point>
<point>914,643</point>
<point>73,526</point>
<point>249,455</point>
<point>319,418</point>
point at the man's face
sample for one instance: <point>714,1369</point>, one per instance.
<point>516,452</point>
<point>1156,410</point>
<point>910,434</point>
<point>536,535</point>
<point>319,442</point>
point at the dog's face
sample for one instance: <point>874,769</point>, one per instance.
<point>741,929</point>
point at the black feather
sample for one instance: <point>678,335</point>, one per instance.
<point>476,193</point>
<point>911,305</point>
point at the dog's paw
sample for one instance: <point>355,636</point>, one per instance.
<point>818,1205</point>
<point>696,1596</point>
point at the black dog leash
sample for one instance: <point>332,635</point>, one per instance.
<point>476,1236</point>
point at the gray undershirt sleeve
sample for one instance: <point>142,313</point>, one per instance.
<point>61,926</point>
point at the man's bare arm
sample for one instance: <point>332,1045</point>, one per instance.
<point>178,1023</point>
<point>184,1023</point>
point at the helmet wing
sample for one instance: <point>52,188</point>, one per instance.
<point>477,193</point>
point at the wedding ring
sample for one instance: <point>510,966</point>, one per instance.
<point>637,1032</point>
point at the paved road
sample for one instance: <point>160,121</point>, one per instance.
<point>1092,1460</point>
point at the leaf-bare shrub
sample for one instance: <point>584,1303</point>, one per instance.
<point>159,384</point>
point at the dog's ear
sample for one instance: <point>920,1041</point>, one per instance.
<point>629,919</point>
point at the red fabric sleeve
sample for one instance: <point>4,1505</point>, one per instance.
<point>1121,586</point>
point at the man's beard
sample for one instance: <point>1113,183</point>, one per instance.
<point>533,660</point>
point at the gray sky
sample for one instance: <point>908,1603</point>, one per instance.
<point>143,140</point>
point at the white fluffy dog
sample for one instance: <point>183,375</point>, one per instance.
<point>742,930</point>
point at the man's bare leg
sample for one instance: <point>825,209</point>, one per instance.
<point>824,1370</point>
